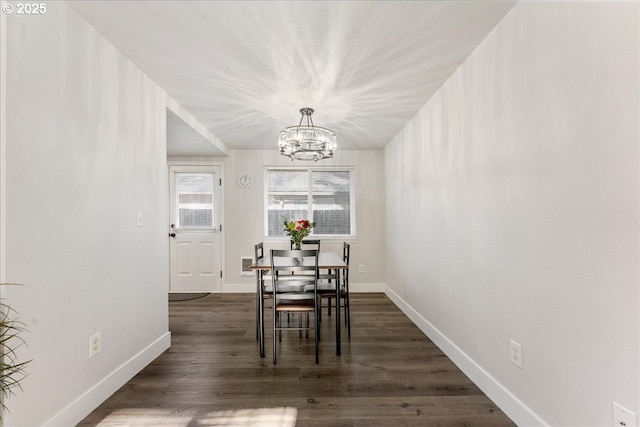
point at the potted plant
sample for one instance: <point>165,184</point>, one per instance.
<point>12,371</point>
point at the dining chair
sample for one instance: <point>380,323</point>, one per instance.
<point>327,287</point>
<point>258,253</point>
<point>289,295</point>
<point>266,288</point>
<point>344,291</point>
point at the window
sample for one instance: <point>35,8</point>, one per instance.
<point>323,195</point>
<point>194,193</point>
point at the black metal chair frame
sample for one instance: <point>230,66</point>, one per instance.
<point>294,293</point>
<point>328,291</point>
<point>258,252</point>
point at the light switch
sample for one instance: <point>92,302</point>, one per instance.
<point>140,219</point>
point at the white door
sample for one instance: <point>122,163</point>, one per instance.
<point>195,231</point>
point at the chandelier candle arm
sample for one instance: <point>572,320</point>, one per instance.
<point>307,142</point>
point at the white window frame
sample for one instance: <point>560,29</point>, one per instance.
<point>309,169</point>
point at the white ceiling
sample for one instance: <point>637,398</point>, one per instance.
<point>245,68</point>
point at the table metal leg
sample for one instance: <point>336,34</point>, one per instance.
<point>257,305</point>
<point>338,273</point>
<point>261,317</point>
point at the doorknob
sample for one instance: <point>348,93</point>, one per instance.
<point>173,226</point>
<point>172,234</point>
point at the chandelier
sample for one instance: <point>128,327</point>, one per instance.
<point>307,142</point>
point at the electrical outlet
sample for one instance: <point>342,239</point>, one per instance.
<point>622,417</point>
<point>95,344</point>
<point>516,354</point>
<point>361,268</point>
<point>140,219</point>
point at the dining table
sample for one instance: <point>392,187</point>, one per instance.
<point>327,260</point>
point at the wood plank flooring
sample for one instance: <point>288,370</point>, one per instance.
<point>389,374</point>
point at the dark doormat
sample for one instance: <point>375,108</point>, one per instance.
<point>186,296</point>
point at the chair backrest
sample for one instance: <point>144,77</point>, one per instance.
<point>346,250</point>
<point>304,263</point>
<point>307,243</point>
<point>258,251</point>
<point>346,253</point>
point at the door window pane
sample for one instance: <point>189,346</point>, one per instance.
<point>194,192</point>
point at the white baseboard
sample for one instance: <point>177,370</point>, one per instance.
<point>244,288</point>
<point>515,409</point>
<point>96,395</point>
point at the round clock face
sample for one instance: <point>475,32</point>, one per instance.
<point>244,181</point>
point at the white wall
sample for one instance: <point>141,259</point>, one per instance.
<point>244,213</point>
<point>85,150</point>
<point>512,213</point>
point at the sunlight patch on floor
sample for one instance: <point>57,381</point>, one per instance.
<point>149,416</point>
<point>265,417</point>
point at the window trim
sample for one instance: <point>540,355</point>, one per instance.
<point>309,169</point>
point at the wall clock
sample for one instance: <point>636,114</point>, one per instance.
<point>244,181</point>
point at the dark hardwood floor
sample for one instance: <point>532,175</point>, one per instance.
<point>389,374</point>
